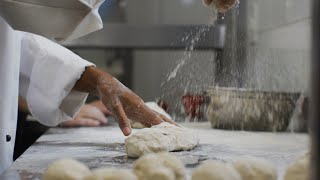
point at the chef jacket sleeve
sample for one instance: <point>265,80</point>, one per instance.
<point>48,73</point>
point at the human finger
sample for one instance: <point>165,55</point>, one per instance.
<point>95,114</point>
<point>207,2</point>
<point>166,119</point>
<point>123,120</point>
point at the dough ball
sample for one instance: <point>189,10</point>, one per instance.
<point>160,166</point>
<point>111,174</point>
<point>255,169</point>
<point>66,169</point>
<point>299,170</point>
<point>214,170</point>
<point>164,137</point>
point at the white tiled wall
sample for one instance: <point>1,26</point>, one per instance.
<point>280,44</point>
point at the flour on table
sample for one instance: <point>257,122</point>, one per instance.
<point>164,137</point>
<point>214,170</point>
<point>66,169</point>
<point>160,166</point>
<point>111,174</point>
<point>251,168</point>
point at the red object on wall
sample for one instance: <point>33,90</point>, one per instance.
<point>192,105</point>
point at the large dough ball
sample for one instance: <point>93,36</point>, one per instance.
<point>299,170</point>
<point>255,169</point>
<point>111,174</point>
<point>164,137</point>
<point>160,166</point>
<point>214,170</point>
<point>66,169</point>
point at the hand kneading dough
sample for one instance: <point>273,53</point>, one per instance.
<point>299,170</point>
<point>66,169</point>
<point>111,174</point>
<point>255,169</point>
<point>164,137</point>
<point>213,170</point>
<point>160,166</point>
<point>155,107</point>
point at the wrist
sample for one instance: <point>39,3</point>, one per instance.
<point>89,81</point>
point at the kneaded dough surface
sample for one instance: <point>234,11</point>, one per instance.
<point>111,174</point>
<point>164,137</point>
<point>251,168</point>
<point>299,170</point>
<point>66,169</point>
<point>214,170</point>
<point>159,166</point>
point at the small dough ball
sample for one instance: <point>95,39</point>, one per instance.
<point>299,170</point>
<point>255,169</point>
<point>162,166</point>
<point>214,170</point>
<point>111,174</point>
<point>66,169</point>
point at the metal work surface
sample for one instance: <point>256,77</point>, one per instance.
<point>104,147</point>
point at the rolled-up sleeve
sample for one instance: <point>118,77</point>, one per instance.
<point>48,74</point>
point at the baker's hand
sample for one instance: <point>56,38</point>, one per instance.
<point>99,104</point>
<point>125,104</point>
<point>121,101</point>
<point>88,115</point>
<point>221,5</point>
<point>207,2</point>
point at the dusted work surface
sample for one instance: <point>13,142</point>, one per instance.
<point>104,147</point>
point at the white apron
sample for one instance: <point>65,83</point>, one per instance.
<point>47,72</point>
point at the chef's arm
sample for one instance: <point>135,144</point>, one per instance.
<point>120,100</point>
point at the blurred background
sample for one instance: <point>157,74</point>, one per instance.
<point>262,45</point>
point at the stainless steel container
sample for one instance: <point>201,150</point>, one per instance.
<point>243,109</point>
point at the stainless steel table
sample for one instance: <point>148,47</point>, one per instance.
<point>104,147</point>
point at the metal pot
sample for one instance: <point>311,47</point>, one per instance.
<point>243,109</point>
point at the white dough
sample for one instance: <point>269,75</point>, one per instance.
<point>66,169</point>
<point>299,170</point>
<point>251,168</point>
<point>160,166</point>
<point>111,174</point>
<point>164,137</point>
<point>214,170</point>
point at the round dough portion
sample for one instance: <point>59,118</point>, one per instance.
<point>255,169</point>
<point>299,170</point>
<point>162,166</point>
<point>164,137</point>
<point>111,174</point>
<point>66,169</point>
<point>214,170</point>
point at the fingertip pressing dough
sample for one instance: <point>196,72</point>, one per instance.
<point>160,166</point>
<point>255,169</point>
<point>164,137</point>
<point>299,170</point>
<point>111,174</point>
<point>66,169</point>
<point>214,170</point>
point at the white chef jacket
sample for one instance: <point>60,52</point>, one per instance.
<point>47,74</point>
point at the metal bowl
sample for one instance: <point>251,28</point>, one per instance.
<point>243,109</point>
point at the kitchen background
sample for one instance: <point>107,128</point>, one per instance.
<point>267,46</point>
